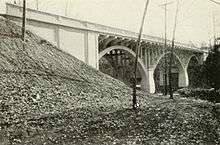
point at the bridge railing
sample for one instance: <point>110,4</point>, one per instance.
<point>133,35</point>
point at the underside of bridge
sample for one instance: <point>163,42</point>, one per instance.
<point>116,58</point>
<point>193,72</point>
<point>119,64</point>
<point>162,71</point>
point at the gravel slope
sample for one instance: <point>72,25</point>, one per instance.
<point>50,97</point>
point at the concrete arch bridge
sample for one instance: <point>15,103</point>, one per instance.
<point>112,50</point>
<point>118,54</point>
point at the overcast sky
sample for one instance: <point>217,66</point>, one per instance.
<point>195,23</point>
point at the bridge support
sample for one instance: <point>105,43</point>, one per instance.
<point>183,78</point>
<point>150,84</point>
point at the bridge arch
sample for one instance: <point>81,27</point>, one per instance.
<point>179,77</point>
<point>141,66</point>
<point>192,58</point>
<point>193,68</point>
<point>163,55</point>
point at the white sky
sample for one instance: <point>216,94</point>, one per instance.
<point>195,23</point>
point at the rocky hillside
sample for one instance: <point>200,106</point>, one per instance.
<point>50,97</point>
<point>37,71</point>
<point>38,79</point>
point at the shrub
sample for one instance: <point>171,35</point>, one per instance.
<point>211,68</point>
<point>210,95</point>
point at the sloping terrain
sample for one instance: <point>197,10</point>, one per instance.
<point>50,97</point>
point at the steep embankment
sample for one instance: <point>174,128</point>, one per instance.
<point>50,97</point>
<point>40,72</point>
<point>39,79</point>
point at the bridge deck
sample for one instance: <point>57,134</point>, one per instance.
<point>53,19</point>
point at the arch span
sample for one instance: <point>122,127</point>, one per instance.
<point>193,70</point>
<point>141,65</point>
<point>163,55</point>
<point>191,58</point>
<point>179,77</point>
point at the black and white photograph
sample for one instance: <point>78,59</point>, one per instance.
<point>109,72</point>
